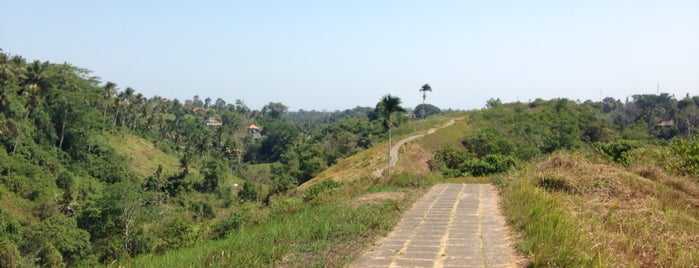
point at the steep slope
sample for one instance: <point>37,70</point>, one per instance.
<point>373,161</point>
<point>141,155</point>
<point>573,210</point>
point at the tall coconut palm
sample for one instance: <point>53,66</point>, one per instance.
<point>424,89</point>
<point>124,98</point>
<point>108,92</point>
<point>34,87</point>
<point>6,70</point>
<point>386,108</point>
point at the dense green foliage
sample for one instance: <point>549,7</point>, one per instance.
<point>504,134</point>
<point>75,190</point>
<point>70,161</point>
<point>621,151</point>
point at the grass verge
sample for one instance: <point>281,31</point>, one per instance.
<point>570,211</point>
<point>329,231</point>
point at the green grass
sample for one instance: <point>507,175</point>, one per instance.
<point>549,235</point>
<point>571,211</point>
<point>449,136</point>
<point>423,125</point>
<point>363,163</point>
<point>326,235</point>
<point>141,155</point>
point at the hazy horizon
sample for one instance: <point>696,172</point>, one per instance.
<point>336,56</point>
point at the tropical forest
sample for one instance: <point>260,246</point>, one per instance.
<point>93,173</point>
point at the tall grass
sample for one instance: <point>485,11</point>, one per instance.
<point>549,234</point>
<point>573,212</point>
<point>319,236</point>
<point>329,231</point>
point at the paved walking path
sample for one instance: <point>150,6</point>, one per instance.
<point>393,154</point>
<point>453,225</point>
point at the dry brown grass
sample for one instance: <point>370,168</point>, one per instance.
<point>642,216</point>
<point>414,160</point>
<point>375,198</point>
<point>364,163</point>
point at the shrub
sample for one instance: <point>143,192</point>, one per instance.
<point>686,157</point>
<point>621,151</point>
<point>282,183</point>
<point>489,164</point>
<point>317,189</point>
<point>177,233</point>
<point>501,163</point>
<point>249,192</point>
<point>488,141</point>
<point>233,223</point>
<point>448,158</point>
<point>202,211</point>
<point>477,167</point>
<point>59,235</point>
<point>9,255</point>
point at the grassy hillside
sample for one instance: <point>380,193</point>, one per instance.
<point>141,155</point>
<point>364,163</point>
<point>81,185</point>
<point>580,205</point>
<point>613,202</point>
<point>326,222</point>
<point>326,229</point>
<point>572,209</point>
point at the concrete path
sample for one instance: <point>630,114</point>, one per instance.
<point>393,154</point>
<point>453,225</point>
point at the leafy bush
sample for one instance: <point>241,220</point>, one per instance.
<point>488,141</point>
<point>250,192</point>
<point>202,211</point>
<point>500,163</point>
<point>233,223</point>
<point>448,158</point>
<point>177,233</point>
<point>319,188</point>
<point>9,255</point>
<point>621,151</point>
<point>476,167</point>
<point>686,159</point>
<point>10,228</point>
<point>454,163</point>
<point>60,233</point>
<point>225,193</point>
<point>282,183</point>
<point>489,164</point>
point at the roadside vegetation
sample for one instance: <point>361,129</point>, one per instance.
<point>616,188</point>
<point>92,174</point>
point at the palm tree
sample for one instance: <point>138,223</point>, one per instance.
<point>108,91</point>
<point>386,108</point>
<point>34,87</point>
<point>123,98</point>
<point>424,89</point>
<point>6,70</point>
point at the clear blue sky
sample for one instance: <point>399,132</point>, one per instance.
<point>340,54</point>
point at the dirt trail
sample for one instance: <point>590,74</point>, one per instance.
<point>396,148</point>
